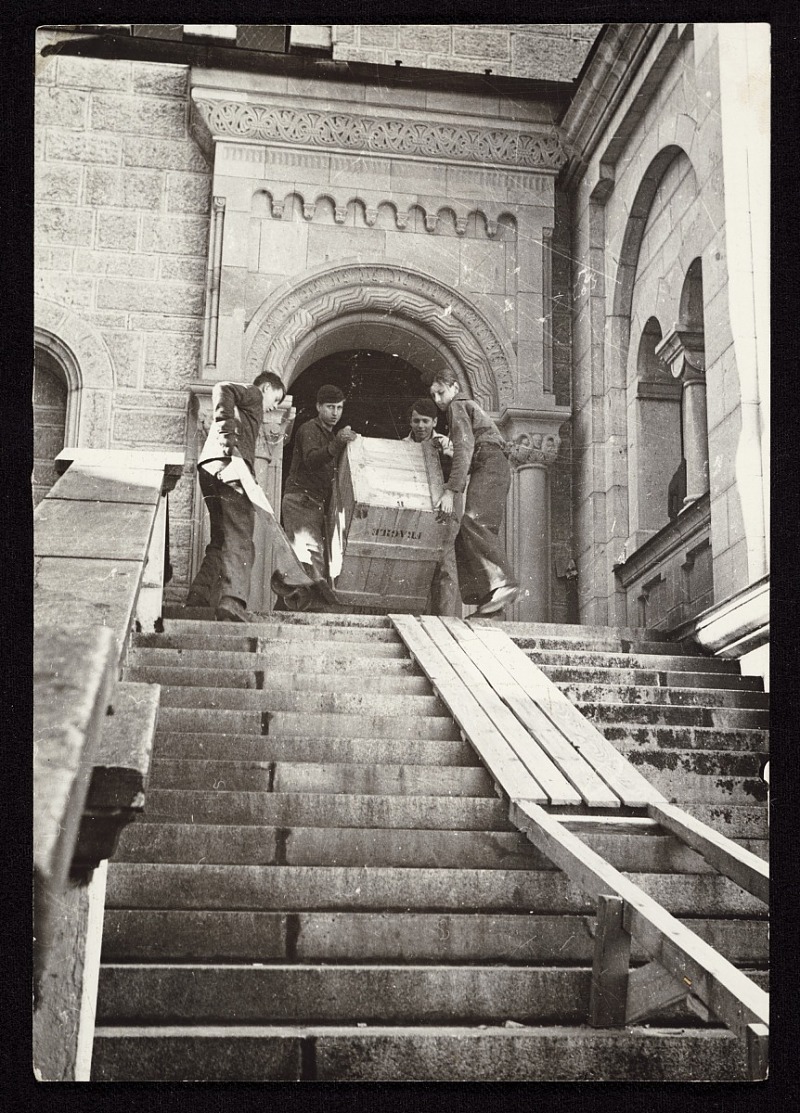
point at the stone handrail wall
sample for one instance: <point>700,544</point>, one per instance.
<point>98,572</point>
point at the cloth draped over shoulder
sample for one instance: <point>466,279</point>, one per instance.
<point>237,414</point>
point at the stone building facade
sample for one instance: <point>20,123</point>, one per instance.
<point>584,253</point>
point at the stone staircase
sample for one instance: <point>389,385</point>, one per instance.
<point>324,884</point>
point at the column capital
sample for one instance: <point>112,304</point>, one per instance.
<point>531,449</point>
<point>683,351</point>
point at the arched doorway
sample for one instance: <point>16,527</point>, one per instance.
<point>379,387</point>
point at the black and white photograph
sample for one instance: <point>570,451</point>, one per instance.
<point>401,552</point>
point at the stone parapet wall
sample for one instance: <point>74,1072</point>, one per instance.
<point>122,197</point>
<point>542,51</point>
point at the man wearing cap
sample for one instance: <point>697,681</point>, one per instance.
<point>223,579</point>
<point>444,586</point>
<point>310,481</point>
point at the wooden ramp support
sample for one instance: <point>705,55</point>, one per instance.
<point>541,752</point>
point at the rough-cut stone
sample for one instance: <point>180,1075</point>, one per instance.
<point>188,193</point>
<point>549,58</point>
<point>66,146</point>
<point>160,79</point>
<point>163,154</point>
<point>146,297</point>
<point>65,289</point>
<point>175,235</point>
<point>94,73</point>
<point>153,323</point>
<point>481,44</point>
<point>134,427</point>
<point>126,189</point>
<point>57,183</point>
<point>126,356</point>
<point>56,224</point>
<point>426,37</point>
<point>377,35</point>
<point>65,108</point>
<point>170,361</point>
<point>182,269</point>
<point>137,115</point>
<point>106,262</point>
<point>117,230</point>
<point>148,399</point>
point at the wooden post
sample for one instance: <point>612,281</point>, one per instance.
<point>758,1051</point>
<point>612,954</point>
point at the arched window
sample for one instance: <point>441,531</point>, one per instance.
<point>658,434</point>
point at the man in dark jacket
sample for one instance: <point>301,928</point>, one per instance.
<point>310,482</point>
<point>223,580</point>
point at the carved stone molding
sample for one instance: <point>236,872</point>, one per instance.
<point>529,449</point>
<point>282,124</point>
<point>289,316</point>
<point>443,216</point>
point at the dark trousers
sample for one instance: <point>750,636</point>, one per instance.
<point>228,562</point>
<point>304,522</point>
<point>480,555</point>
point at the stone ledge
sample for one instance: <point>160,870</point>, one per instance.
<point>734,627</point>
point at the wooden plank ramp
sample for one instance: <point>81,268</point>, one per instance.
<point>543,752</point>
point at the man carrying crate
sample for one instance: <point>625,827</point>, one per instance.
<point>444,586</point>
<point>309,485</point>
<point>485,577</point>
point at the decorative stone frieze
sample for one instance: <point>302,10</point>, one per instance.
<point>289,316</point>
<point>283,124</point>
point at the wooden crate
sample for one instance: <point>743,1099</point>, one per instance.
<point>384,540</point>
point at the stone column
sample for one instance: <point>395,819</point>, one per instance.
<point>528,526</point>
<point>684,352</point>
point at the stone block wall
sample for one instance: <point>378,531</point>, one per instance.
<point>122,195</point>
<point>544,51</point>
<point>677,121</point>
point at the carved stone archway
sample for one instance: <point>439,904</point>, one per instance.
<point>281,327</point>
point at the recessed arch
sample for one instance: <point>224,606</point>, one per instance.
<point>440,323</point>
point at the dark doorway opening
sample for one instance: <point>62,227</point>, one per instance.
<point>379,389</point>
<point>50,397</point>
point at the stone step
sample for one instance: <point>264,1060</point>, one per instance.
<point>271,630</point>
<point>683,788</point>
<point>332,703</point>
<point>694,763</point>
<point>297,888</point>
<point>658,661</point>
<point>575,630</point>
<point>393,994</point>
<point>666,715</point>
<point>270,679</point>
<point>629,735</point>
<point>396,994</point>
<point>571,674</point>
<point>410,849</point>
<point>391,660</point>
<point>135,935</point>
<point>403,1054</point>
<point>285,776</point>
<point>652,695</point>
<point>310,809</point>
<point>737,821</point>
<point>227,636</point>
<point>293,618</point>
<point>260,747</point>
<point>545,642</point>
<point>310,725</point>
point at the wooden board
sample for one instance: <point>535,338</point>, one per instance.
<point>729,994</point>
<point>558,788</point>
<point>592,788</point>
<point>620,776</point>
<point>492,748</point>
<point>741,866</point>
